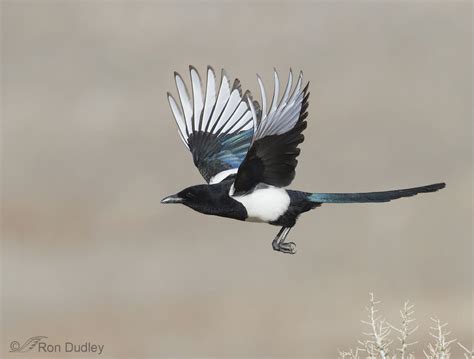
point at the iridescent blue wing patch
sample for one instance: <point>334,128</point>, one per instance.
<point>215,123</point>
<point>218,157</point>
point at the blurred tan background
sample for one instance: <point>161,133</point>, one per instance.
<point>90,147</point>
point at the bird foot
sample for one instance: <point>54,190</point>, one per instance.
<point>284,247</point>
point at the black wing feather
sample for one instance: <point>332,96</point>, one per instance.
<point>215,124</point>
<point>213,153</point>
<point>272,159</point>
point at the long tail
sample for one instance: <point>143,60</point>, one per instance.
<point>384,196</point>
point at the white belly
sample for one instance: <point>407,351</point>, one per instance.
<point>265,204</point>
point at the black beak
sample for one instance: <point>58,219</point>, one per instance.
<point>172,199</point>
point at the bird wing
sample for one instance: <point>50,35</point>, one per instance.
<point>216,124</point>
<point>271,158</point>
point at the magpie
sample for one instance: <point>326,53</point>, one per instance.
<point>247,153</point>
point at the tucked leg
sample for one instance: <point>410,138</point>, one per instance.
<point>279,243</point>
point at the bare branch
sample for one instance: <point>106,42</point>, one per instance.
<point>377,341</point>
<point>406,329</point>
<point>468,354</point>
<point>440,348</point>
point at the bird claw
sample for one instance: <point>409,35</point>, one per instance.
<point>285,247</point>
<point>279,243</point>
<point>289,247</point>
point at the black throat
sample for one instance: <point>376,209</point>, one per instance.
<point>214,200</point>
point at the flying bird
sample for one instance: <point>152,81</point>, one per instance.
<point>247,153</point>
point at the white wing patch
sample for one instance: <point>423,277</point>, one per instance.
<point>222,175</point>
<point>282,115</point>
<point>225,111</point>
<point>265,204</point>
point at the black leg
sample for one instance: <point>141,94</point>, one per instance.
<point>276,240</point>
<point>279,243</point>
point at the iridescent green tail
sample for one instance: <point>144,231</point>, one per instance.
<point>368,197</point>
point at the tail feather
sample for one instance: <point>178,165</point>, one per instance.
<point>368,197</point>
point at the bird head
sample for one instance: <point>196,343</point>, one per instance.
<point>194,196</point>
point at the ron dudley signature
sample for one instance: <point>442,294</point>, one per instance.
<point>40,345</point>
